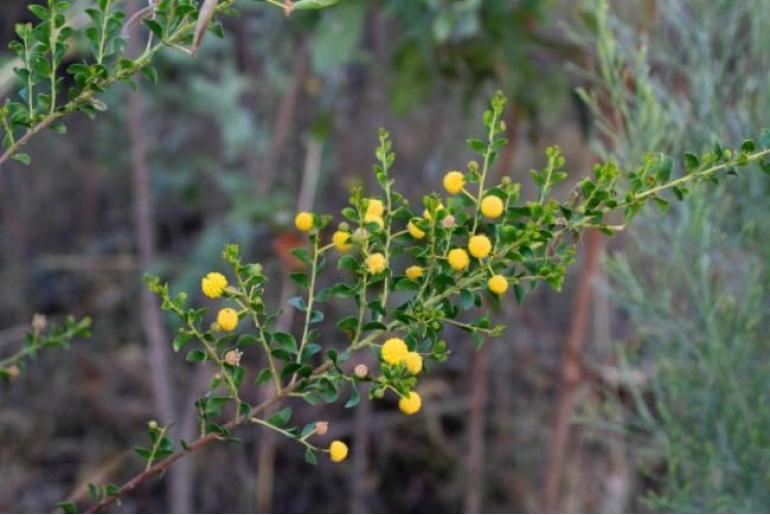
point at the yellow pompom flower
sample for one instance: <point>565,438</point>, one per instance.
<point>479,246</point>
<point>454,182</point>
<point>492,206</point>
<point>497,284</point>
<point>372,218</point>
<point>394,351</point>
<point>458,259</point>
<point>227,319</point>
<point>338,451</point>
<point>413,362</point>
<point>376,263</point>
<point>341,240</point>
<point>414,272</point>
<point>375,207</point>
<point>415,231</point>
<point>303,221</point>
<point>213,285</point>
<point>410,404</point>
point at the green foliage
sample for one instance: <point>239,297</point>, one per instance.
<point>532,242</point>
<point>42,101</point>
<point>44,335</point>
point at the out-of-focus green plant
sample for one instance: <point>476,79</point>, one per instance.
<point>410,275</point>
<point>698,415</point>
<point>43,335</point>
<point>43,101</point>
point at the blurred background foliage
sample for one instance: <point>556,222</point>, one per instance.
<point>670,409</point>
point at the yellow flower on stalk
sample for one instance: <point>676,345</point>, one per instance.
<point>414,272</point>
<point>375,207</point>
<point>376,263</point>
<point>303,221</point>
<point>458,259</point>
<point>497,284</point>
<point>415,231</point>
<point>492,206</point>
<point>410,404</point>
<point>341,240</point>
<point>394,351</point>
<point>413,362</point>
<point>372,218</point>
<point>479,246</point>
<point>227,319</point>
<point>454,182</point>
<point>338,451</point>
<point>213,285</point>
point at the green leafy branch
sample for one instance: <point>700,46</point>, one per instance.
<point>40,47</point>
<point>44,335</point>
<point>408,276</point>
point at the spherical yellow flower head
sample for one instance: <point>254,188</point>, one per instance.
<point>376,263</point>
<point>303,221</point>
<point>372,218</point>
<point>394,351</point>
<point>458,259</point>
<point>338,451</point>
<point>415,231</point>
<point>375,207</point>
<point>479,246</point>
<point>413,362</point>
<point>213,285</point>
<point>492,206</point>
<point>341,240</point>
<point>414,272</point>
<point>410,404</point>
<point>454,182</point>
<point>497,284</point>
<point>227,319</point>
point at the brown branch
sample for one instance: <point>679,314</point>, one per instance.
<point>162,466</point>
<point>476,427</point>
<point>571,374</point>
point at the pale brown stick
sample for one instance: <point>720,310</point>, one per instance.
<point>571,374</point>
<point>476,427</point>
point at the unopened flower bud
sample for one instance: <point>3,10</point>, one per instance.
<point>153,425</point>
<point>321,427</point>
<point>361,371</point>
<point>13,371</point>
<point>343,226</point>
<point>233,357</point>
<point>473,166</point>
<point>448,222</point>
<point>506,180</point>
<point>39,322</point>
<point>359,235</point>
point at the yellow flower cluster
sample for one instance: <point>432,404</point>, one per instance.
<point>395,351</point>
<point>458,259</point>
<point>414,272</point>
<point>454,182</point>
<point>304,221</point>
<point>338,451</point>
<point>376,263</point>
<point>492,206</point>
<point>374,211</point>
<point>341,241</point>
<point>479,246</point>
<point>213,285</point>
<point>497,284</point>
<point>415,231</point>
<point>410,404</point>
<point>227,319</point>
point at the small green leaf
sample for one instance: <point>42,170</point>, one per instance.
<point>22,158</point>
<point>196,355</point>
